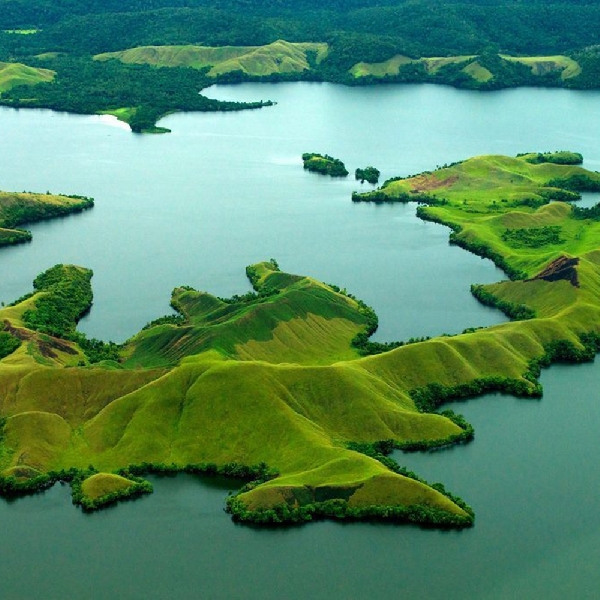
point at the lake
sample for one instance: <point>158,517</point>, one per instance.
<point>224,190</point>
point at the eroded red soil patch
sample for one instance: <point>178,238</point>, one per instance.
<point>426,183</point>
<point>561,268</point>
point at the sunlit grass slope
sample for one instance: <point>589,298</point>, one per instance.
<point>502,203</point>
<point>540,66</point>
<point>209,408</point>
<point>13,74</point>
<point>103,484</point>
<point>21,208</point>
<point>289,319</point>
<point>387,67</point>
<point>277,57</point>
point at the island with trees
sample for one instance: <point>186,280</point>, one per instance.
<point>279,388</point>
<point>324,164</point>
<point>370,174</point>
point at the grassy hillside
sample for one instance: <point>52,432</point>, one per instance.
<point>496,70</point>
<point>268,385</point>
<point>281,58</point>
<point>278,57</point>
<point>501,206</point>
<point>21,208</point>
<point>14,74</point>
<point>288,319</point>
<point>542,65</point>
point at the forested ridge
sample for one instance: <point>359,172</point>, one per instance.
<point>356,31</point>
<point>416,27</point>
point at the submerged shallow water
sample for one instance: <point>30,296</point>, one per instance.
<point>224,190</point>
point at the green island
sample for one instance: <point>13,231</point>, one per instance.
<point>141,64</point>
<point>370,174</point>
<point>281,387</point>
<point>324,164</point>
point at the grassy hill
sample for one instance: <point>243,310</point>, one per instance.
<point>473,70</point>
<point>500,204</point>
<point>542,65</point>
<point>282,57</point>
<point>269,386</point>
<point>277,57</point>
<point>14,74</point>
<point>21,208</point>
<point>288,319</point>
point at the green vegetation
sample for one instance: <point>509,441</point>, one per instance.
<point>501,207</point>
<point>21,208</point>
<point>488,70</point>
<point>370,174</point>
<point>64,295</point>
<point>99,489</point>
<point>8,344</point>
<point>279,57</point>
<point>533,237</point>
<point>89,58</point>
<point>138,94</point>
<point>324,164</point>
<point>285,378</point>
<point>562,157</point>
<point>15,74</point>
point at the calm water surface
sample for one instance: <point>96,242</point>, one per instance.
<point>224,190</point>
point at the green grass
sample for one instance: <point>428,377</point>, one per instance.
<point>277,57</point>
<point>541,65</point>
<point>304,321</point>
<point>14,74</point>
<point>388,67</point>
<point>123,114</point>
<point>102,484</point>
<point>487,195</point>
<point>435,63</point>
<point>478,72</point>
<point>393,65</point>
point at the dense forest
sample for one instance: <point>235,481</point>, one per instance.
<point>369,31</point>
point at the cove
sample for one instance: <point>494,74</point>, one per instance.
<point>530,474</point>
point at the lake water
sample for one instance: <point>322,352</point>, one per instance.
<point>225,190</point>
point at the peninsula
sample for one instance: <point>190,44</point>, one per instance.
<point>273,386</point>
